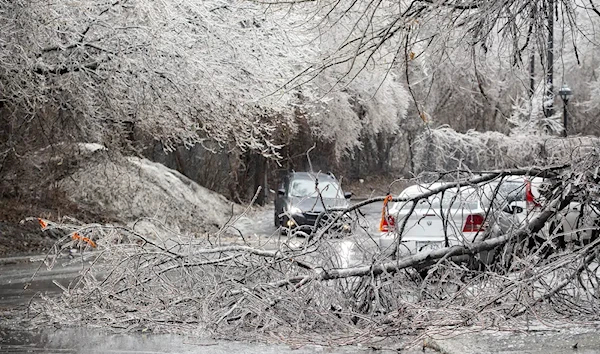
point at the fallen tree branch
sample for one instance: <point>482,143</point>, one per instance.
<point>293,291</point>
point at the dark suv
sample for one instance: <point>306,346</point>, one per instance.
<point>302,196</point>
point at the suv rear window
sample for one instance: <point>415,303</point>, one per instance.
<point>453,198</point>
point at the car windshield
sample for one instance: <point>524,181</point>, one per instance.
<point>306,189</point>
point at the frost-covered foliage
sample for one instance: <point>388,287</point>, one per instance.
<point>444,149</point>
<point>343,105</point>
<point>527,117</point>
<point>399,31</point>
<point>129,189</point>
<point>371,103</point>
<point>180,72</point>
<point>584,80</point>
<point>594,103</point>
<point>468,66</point>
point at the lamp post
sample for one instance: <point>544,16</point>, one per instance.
<point>565,93</point>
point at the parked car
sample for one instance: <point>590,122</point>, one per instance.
<point>460,216</point>
<point>454,217</point>
<point>303,196</point>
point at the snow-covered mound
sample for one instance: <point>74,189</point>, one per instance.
<point>132,188</point>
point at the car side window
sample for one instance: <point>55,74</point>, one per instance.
<point>286,185</point>
<point>503,193</point>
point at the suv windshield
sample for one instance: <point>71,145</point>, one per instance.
<point>304,188</point>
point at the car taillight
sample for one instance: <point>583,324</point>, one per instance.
<point>529,198</point>
<point>387,223</point>
<point>474,223</point>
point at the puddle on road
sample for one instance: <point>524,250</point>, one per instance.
<point>348,254</point>
<point>94,341</point>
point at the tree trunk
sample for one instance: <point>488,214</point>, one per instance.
<point>411,154</point>
<point>260,178</point>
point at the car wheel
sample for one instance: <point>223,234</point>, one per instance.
<point>423,272</point>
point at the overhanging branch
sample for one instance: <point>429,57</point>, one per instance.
<point>63,69</point>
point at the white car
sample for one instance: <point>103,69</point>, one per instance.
<point>453,217</point>
<point>459,216</point>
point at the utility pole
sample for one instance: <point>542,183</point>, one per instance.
<point>549,97</point>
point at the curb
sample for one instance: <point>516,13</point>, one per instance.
<point>22,259</point>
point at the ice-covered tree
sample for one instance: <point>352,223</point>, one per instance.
<point>472,58</point>
<point>180,72</point>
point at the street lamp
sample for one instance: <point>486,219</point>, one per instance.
<point>565,93</point>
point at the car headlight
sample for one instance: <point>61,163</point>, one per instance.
<point>294,210</point>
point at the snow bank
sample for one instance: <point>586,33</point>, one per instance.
<point>91,147</point>
<point>132,188</point>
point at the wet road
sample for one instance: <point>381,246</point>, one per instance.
<point>351,249</point>
<point>16,275</point>
<point>17,272</point>
<point>94,341</point>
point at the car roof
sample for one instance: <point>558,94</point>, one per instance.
<point>522,179</point>
<point>311,176</point>
<point>417,189</point>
